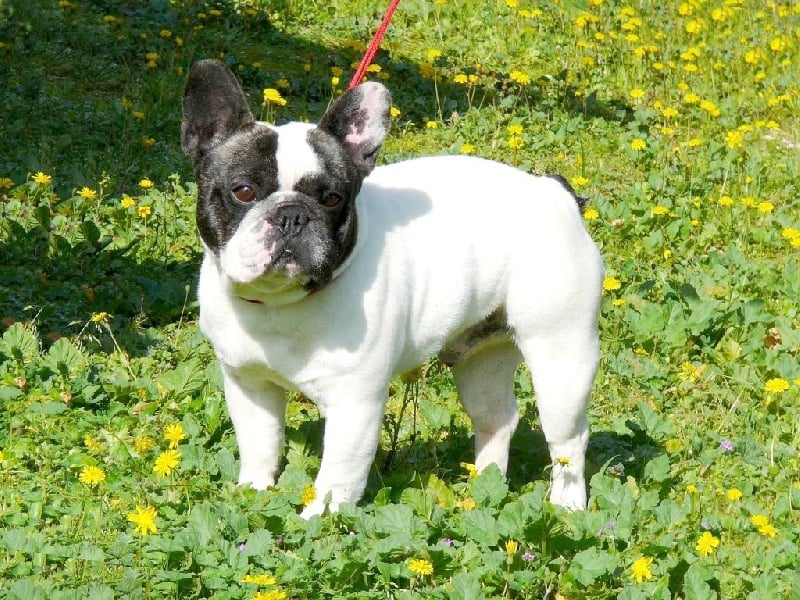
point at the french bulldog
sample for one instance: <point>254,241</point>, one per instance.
<point>325,274</point>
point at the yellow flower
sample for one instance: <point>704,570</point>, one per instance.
<point>431,125</point>
<point>591,214</point>
<point>467,149</point>
<point>262,579</point>
<point>6,183</point>
<point>145,184</point>
<point>127,201</point>
<point>92,476</point>
<point>309,494</point>
<point>734,494</point>
<point>460,78</point>
<point>765,207</point>
<point>707,544</point>
<point>511,547</point>
<point>87,193</point>
<point>636,93</point>
<point>42,178</point>
<point>420,566</point>
<point>2,458</point>
<point>519,77</point>
<point>776,385</point>
<point>691,488</point>
<point>660,211</point>
<point>725,201</point>
<point>515,142</point>
<point>174,434</point>
<point>270,595</point>
<point>167,462</point>
<point>471,469</point>
<point>768,530</point>
<point>734,139</point>
<point>611,284</point>
<point>433,54</point>
<point>466,504</point>
<point>273,96</point>
<point>394,112</point>
<point>695,142</point>
<point>640,569</point>
<point>144,211</point>
<point>90,442</point>
<point>143,444</point>
<point>100,317</point>
<point>710,108</point>
<point>638,144</point>
<point>148,142</point>
<point>579,181</point>
<point>564,461</point>
<point>515,129</point>
<point>144,518</point>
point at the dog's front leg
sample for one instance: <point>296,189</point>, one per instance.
<point>352,427</point>
<point>258,414</point>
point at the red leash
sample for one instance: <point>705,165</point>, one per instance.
<point>374,45</point>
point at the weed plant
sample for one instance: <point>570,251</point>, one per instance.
<point>677,120</point>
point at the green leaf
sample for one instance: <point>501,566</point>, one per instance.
<point>466,587</point>
<point>204,523</point>
<point>479,525</point>
<point>695,586</point>
<point>590,565</point>
<point>259,543</point>
<point>490,487</point>
<point>657,469</point>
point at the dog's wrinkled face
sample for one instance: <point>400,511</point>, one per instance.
<point>276,205</point>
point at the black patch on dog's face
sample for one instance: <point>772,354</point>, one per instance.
<point>246,158</point>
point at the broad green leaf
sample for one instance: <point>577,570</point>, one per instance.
<point>591,564</point>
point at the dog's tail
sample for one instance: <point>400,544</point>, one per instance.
<point>579,200</point>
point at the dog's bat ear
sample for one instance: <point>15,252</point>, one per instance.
<point>360,120</point>
<point>214,107</point>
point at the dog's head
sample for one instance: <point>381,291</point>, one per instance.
<point>276,205</point>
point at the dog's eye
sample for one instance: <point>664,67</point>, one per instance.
<point>331,199</point>
<point>244,193</point>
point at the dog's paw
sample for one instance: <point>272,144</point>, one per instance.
<point>569,489</point>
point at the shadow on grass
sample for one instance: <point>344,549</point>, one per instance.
<point>92,90</point>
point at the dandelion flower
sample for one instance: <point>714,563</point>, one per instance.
<point>707,544</point>
<point>431,125</point>
<point>144,211</point>
<point>262,579</point>
<point>143,444</point>
<point>467,149</point>
<point>640,569</point>
<point>433,54</point>
<point>467,504</point>
<point>127,202</point>
<point>765,207</point>
<point>611,283</point>
<point>636,93</point>
<point>273,96</point>
<point>471,469</point>
<point>167,462</point>
<point>420,566</point>
<point>6,183</point>
<point>660,211</point>
<point>519,77</point>
<point>87,193</point>
<point>776,385</point>
<point>734,494</point>
<point>174,434</point>
<point>144,518</point>
<point>461,78</point>
<point>515,142</point>
<point>515,129</point>
<point>395,112</point>
<point>100,317</point>
<point>270,595</point>
<point>92,476</point>
<point>42,178</point>
<point>638,144</point>
<point>309,494</point>
<point>511,547</point>
<point>591,214</point>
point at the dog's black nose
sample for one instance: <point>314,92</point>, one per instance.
<point>290,219</point>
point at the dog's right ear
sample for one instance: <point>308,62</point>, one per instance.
<point>214,108</point>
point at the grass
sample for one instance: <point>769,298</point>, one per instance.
<point>117,460</point>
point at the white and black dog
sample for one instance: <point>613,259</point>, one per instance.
<point>327,275</point>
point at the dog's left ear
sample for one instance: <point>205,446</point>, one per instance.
<point>360,120</point>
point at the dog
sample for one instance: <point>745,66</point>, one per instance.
<point>327,275</point>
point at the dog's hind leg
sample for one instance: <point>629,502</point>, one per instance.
<point>563,365</point>
<point>485,382</point>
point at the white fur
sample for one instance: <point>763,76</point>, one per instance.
<point>442,243</point>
